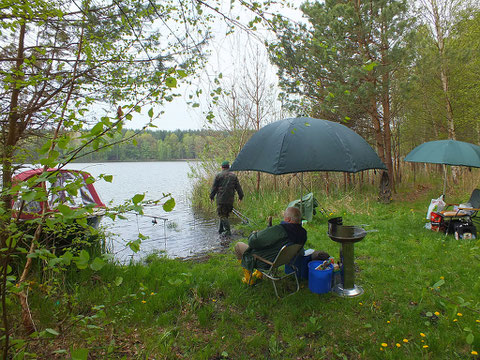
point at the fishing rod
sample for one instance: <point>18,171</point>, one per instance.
<point>153,217</point>
<point>245,220</point>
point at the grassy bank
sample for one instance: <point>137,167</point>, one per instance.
<point>421,297</point>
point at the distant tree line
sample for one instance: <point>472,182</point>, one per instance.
<point>146,146</point>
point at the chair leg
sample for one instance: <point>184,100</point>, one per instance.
<point>296,280</point>
<point>275,287</point>
<point>298,284</point>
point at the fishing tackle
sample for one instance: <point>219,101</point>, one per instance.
<point>245,220</point>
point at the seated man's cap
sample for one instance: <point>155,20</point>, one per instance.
<point>225,164</point>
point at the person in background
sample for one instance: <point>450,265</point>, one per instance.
<point>224,187</point>
<point>268,242</point>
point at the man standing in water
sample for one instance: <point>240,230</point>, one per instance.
<point>224,187</point>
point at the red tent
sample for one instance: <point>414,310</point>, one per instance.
<point>57,193</point>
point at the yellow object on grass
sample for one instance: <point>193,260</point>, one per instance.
<point>246,277</point>
<point>257,274</point>
<point>249,278</point>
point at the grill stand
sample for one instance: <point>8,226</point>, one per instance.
<point>346,236</point>
<point>347,287</point>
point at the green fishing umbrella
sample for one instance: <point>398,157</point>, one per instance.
<point>306,144</point>
<point>446,152</point>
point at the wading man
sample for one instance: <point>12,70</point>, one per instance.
<point>224,187</point>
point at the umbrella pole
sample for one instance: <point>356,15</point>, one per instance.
<point>301,194</point>
<point>444,179</point>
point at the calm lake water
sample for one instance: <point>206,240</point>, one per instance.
<point>183,233</point>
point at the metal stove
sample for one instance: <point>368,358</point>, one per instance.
<point>346,236</point>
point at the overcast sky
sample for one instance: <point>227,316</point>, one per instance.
<point>227,54</point>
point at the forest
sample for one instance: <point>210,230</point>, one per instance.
<point>398,73</point>
<point>136,145</point>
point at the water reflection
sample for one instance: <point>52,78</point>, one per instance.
<point>179,233</point>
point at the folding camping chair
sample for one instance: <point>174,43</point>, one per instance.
<point>286,255</point>
<point>460,214</point>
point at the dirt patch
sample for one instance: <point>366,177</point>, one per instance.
<point>419,191</point>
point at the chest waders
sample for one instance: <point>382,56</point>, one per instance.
<point>223,211</point>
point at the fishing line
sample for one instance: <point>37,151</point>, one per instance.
<point>138,226</point>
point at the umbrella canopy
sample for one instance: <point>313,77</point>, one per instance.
<point>306,144</point>
<point>446,152</point>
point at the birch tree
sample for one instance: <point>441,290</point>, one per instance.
<point>440,16</point>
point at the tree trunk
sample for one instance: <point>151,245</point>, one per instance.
<point>8,153</point>
<point>439,30</point>
<point>378,130</point>
<point>387,135</point>
<point>27,319</point>
<point>385,194</point>
<point>414,167</point>
<point>398,165</point>
<point>385,88</point>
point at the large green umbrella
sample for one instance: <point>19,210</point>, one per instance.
<point>446,152</point>
<point>306,144</point>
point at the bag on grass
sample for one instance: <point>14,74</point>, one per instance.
<point>435,205</point>
<point>462,230</point>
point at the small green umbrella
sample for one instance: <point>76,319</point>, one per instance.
<point>306,144</point>
<point>446,152</point>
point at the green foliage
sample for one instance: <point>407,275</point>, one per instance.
<point>149,145</point>
<point>338,60</point>
<point>61,61</point>
<point>169,205</point>
<point>423,98</point>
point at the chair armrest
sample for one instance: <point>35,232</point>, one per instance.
<point>473,209</point>
<point>453,213</point>
<point>262,259</point>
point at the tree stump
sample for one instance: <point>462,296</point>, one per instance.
<point>385,194</point>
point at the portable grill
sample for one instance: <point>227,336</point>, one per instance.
<point>347,236</point>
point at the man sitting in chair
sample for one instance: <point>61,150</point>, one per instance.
<point>268,242</point>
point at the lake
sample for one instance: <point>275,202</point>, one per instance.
<point>183,233</point>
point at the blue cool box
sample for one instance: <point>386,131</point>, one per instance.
<point>301,264</point>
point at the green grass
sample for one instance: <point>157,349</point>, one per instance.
<point>169,309</point>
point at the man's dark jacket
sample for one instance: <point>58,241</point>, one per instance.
<point>268,242</point>
<point>224,186</point>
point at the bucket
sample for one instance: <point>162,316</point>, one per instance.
<point>319,281</point>
<point>301,263</point>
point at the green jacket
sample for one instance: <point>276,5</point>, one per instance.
<point>266,243</point>
<point>224,187</point>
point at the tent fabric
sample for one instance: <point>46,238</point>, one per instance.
<point>307,206</point>
<point>87,193</point>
